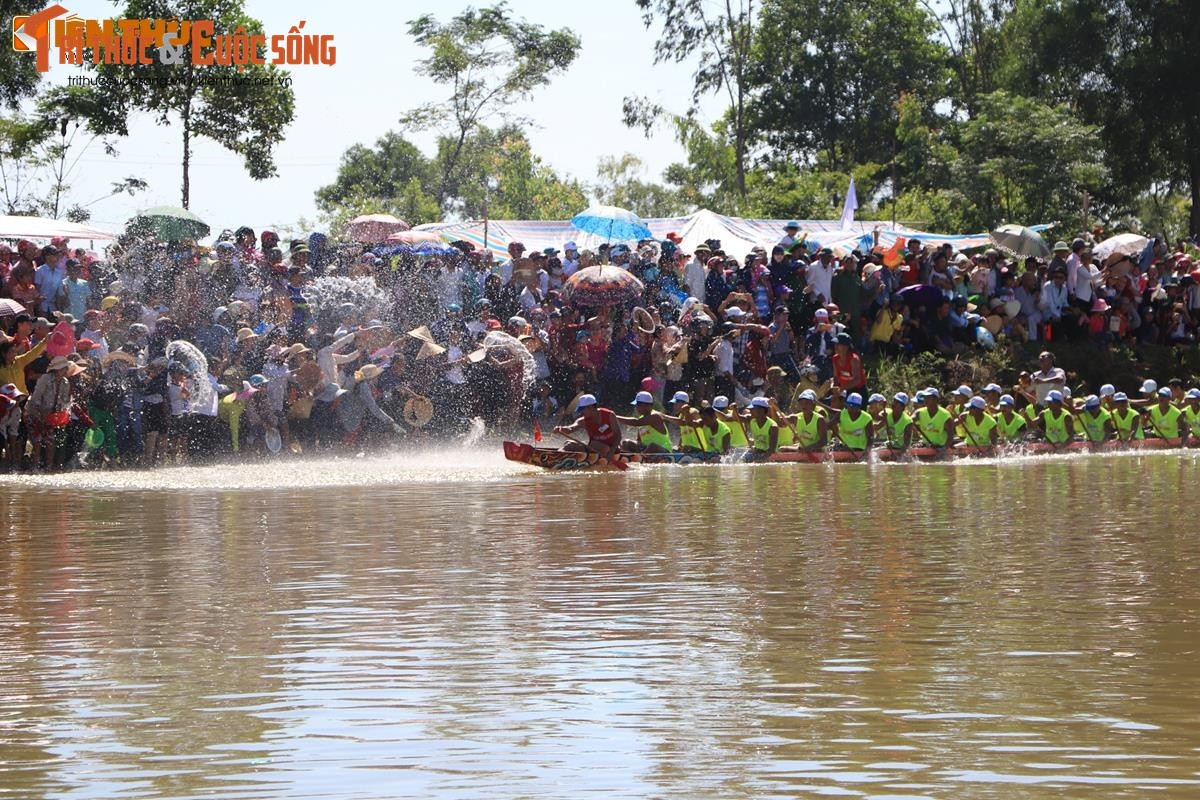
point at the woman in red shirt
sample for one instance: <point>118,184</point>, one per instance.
<point>848,372</point>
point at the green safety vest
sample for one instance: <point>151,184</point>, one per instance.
<point>1056,427</point>
<point>1094,425</point>
<point>896,426</point>
<point>979,433</point>
<point>690,437</point>
<point>1127,424</point>
<point>648,436</point>
<point>737,433</point>
<point>762,433</point>
<point>1166,423</point>
<point>808,430</point>
<point>933,425</point>
<point>1011,429</point>
<point>786,437</point>
<point>1193,420</point>
<point>714,441</point>
<point>853,432</point>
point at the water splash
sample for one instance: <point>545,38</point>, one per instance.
<point>476,430</point>
<point>326,295</point>
<point>503,341</point>
<point>186,353</point>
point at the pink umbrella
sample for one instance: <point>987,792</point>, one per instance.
<point>372,228</point>
<point>414,237</point>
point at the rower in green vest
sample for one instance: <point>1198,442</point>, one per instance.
<point>934,423</point>
<point>763,430</point>
<point>1164,417</point>
<point>1095,420</point>
<point>1012,425</point>
<point>713,431</point>
<point>1056,422</point>
<point>978,426</point>
<point>787,436</point>
<point>898,423</point>
<point>652,427</point>
<point>689,437</point>
<point>1127,423</point>
<point>812,427</point>
<point>854,426</point>
<point>728,413</point>
<point>1191,415</point>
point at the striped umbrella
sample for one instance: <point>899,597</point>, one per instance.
<point>602,285</point>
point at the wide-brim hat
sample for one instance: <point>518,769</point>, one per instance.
<point>368,372</point>
<point>418,411</point>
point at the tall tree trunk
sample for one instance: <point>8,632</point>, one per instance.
<point>187,152</point>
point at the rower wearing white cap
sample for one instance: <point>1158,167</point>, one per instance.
<point>727,412</point>
<point>1056,422</point>
<point>1095,420</point>
<point>1127,422</point>
<point>690,438</point>
<point>763,430</point>
<point>1164,416</point>
<point>1106,396</point>
<point>812,430</point>
<point>601,425</point>
<point>898,423</point>
<point>854,427</point>
<point>653,436</point>
<point>1191,415</point>
<point>978,425</point>
<point>934,423</point>
<point>1012,425</point>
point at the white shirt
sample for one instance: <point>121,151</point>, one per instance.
<point>1085,279</point>
<point>569,267</point>
<point>820,278</point>
<point>1046,381</point>
<point>101,348</point>
<point>694,275</point>
<point>506,271</point>
<point>724,353</point>
<point>1053,299</point>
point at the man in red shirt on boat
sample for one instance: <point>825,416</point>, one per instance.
<point>601,425</point>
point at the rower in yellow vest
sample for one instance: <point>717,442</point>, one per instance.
<point>934,423</point>
<point>764,431</point>
<point>652,427</point>
<point>958,407</point>
<point>1164,417</point>
<point>1095,420</point>
<point>689,437</point>
<point>1013,426</point>
<point>898,423</point>
<point>1191,415</point>
<point>812,431</point>
<point>787,437</point>
<point>713,431</point>
<point>1127,422</point>
<point>979,427</point>
<point>854,427</point>
<point>728,413</point>
<point>1057,425</point>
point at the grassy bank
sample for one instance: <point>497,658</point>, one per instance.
<point>1088,366</point>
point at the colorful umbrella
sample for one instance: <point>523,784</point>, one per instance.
<point>612,223</point>
<point>372,228</point>
<point>1127,244</point>
<point>10,307</point>
<point>415,237</point>
<point>1019,241</point>
<point>603,285</point>
<point>169,224</point>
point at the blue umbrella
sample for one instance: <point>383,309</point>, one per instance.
<point>611,223</point>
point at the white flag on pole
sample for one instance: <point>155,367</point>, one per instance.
<point>850,206</point>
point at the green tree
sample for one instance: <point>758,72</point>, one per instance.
<point>491,61</point>
<point>19,77</point>
<point>620,184</point>
<point>390,177</point>
<point>972,31</point>
<point>834,94</point>
<point>245,112</point>
<point>723,41</point>
<point>1023,161</point>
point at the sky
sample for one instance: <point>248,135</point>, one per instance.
<point>356,100</point>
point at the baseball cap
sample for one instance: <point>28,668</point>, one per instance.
<point>1192,394</point>
<point>993,387</point>
<point>1054,397</point>
<point>760,402</point>
<point>733,312</point>
<point>1120,397</point>
<point>586,400</point>
<point>808,394</point>
<point>876,398</point>
<point>720,402</point>
<point>1108,390</point>
<point>901,398</point>
<point>1164,392</point>
<point>569,246</point>
<point>932,392</point>
<point>1007,400</point>
<point>854,399</point>
<point>1092,401</point>
<point>642,397</point>
<point>680,397</point>
<point>964,390</point>
<point>821,314</point>
<point>11,391</point>
<point>977,402</point>
<point>1149,387</point>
